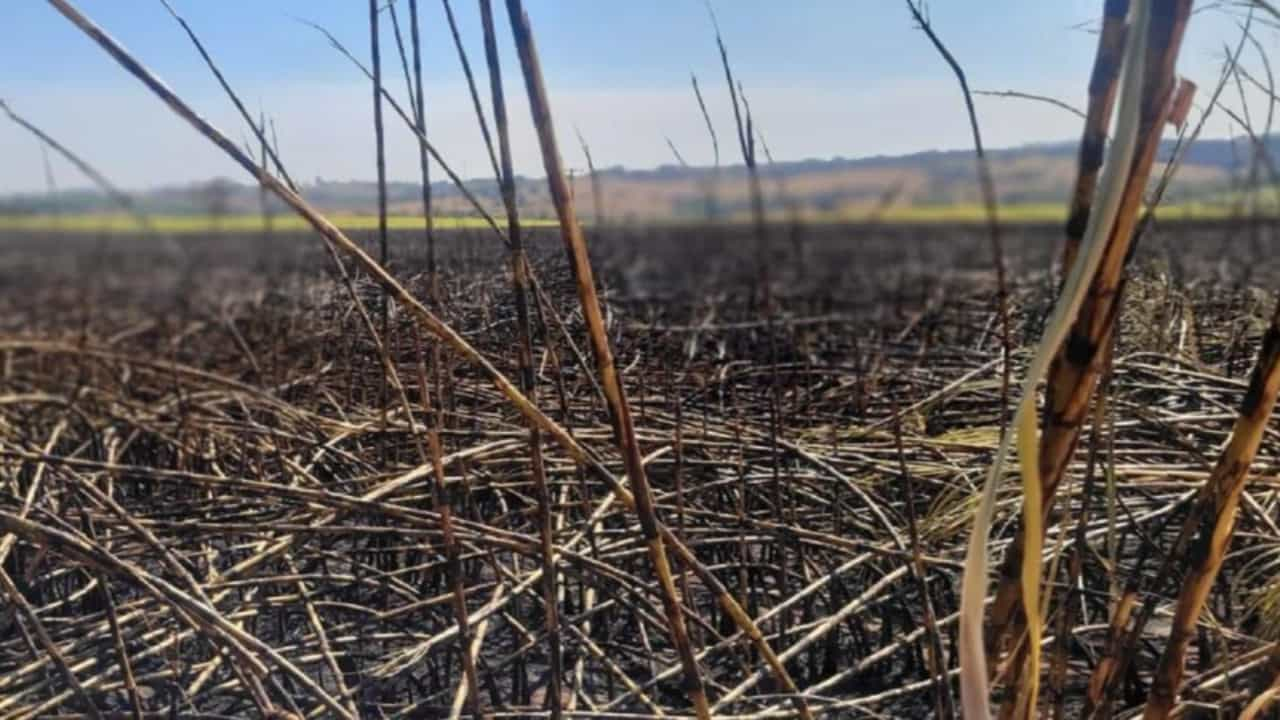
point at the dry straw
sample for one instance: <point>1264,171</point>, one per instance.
<point>812,560</point>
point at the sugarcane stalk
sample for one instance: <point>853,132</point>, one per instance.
<point>1214,514</point>
<point>1102,94</point>
<point>1081,357</point>
<point>447,334</point>
<point>524,353</point>
<point>615,395</point>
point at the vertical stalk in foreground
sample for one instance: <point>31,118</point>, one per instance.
<point>619,412</point>
<point>384,302</point>
<point>1102,90</point>
<point>1117,185</point>
<point>1080,355</point>
<point>424,159</point>
<point>1102,94</point>
<point>524,352</point>
<point>1215,514</point>
<point>379,141</point>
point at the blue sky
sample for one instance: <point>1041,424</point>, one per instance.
<point>825,78</point>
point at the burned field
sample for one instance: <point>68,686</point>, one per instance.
<point>211,495</point>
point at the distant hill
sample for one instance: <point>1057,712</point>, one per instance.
<point>833,188</point>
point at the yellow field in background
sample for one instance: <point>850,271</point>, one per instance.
<point>191,224</point>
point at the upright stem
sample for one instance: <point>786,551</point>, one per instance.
<point>524,353</point>
<point>619,411</point>
<point>424,159</point>
<point>1102,94</point>
<point>380,153</point>
<point>380,148</point>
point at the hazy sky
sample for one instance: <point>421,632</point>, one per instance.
<point>824,77</point>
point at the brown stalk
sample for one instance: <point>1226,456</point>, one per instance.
<point>424,159</point>
<point>1107,669</point>
<point>530,276</point>
<point>1214,514</point>
<point>432,324</point>
<point>1066,612</point>
<point>453,569</point>
<point>1079,362</point>
<point>524,352</point>
<point>1102,95</point>
<point>380,154</point>
<point>619,412</point>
